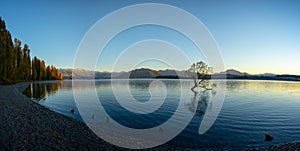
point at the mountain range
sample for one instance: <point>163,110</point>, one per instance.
<point>168,74</point>
<point>136,73</point>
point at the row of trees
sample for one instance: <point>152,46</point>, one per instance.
<point>16,64</point>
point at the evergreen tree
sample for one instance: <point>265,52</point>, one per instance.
<point>27,62</point>
<point>2,51</point>
<point>34,69</point>
<point>18,60</point>
<point>7,55</point>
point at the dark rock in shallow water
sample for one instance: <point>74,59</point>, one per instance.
<point>72,111</point>
<point>268,138</point>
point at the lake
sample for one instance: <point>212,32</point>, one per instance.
<point>250,110</point>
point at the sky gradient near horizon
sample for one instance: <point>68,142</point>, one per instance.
<point>257,36</point>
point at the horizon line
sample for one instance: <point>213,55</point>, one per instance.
<point>176,70</point>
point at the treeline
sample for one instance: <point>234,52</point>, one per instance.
<point>16,64</point>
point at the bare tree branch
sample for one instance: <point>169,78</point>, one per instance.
<point>199,72</point>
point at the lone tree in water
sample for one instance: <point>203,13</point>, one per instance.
<point>199,72</point>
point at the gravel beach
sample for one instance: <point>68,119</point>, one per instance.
<point>26,125</point>
<point>282,147</point>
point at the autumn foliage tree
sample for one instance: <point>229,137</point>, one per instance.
<point>16,64</point>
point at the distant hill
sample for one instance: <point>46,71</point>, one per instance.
<point>137,73</point>
<point>140,73</point>
<point>84,74</point>
<point>231,74</point>
<point>235,73</point>
<point>170,74</point>
<point>267,75</point>
<point>78,73</point>
<point>173,73</point>
<point>289,77</point>
<point>144,73</point>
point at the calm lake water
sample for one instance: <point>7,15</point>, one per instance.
<point>251,109</point>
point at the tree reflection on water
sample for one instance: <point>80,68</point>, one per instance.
<point>199,103</point>
<point>39,90</point>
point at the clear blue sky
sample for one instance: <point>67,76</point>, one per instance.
<point>255,36</point>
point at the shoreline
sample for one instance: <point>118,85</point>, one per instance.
<point>27,125</point>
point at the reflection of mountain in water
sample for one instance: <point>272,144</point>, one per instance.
<point>38,91</point>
